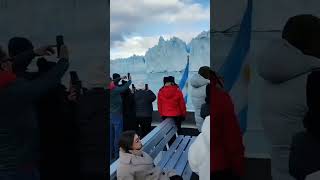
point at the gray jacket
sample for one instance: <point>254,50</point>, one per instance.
<point>140,167</point>
<point>144,99</point>
<point>198,96</point>
<point>115,97</point>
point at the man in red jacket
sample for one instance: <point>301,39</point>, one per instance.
<point>226,146</point>
<point>171,102</point>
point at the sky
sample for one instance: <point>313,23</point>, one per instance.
<point>136,25</point>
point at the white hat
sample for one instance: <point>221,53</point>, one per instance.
<point>140,85</point>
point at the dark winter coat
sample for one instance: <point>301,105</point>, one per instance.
<point>144,99</point>
<point>19,128</point>
<point>129,113</point>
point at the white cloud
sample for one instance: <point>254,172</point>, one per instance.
<point>133,45</point>
<point>126,16</point>
<point>139,45</point>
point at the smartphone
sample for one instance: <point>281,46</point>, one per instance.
<point>60,42</point>
<point>146,86</point>
<point>74,77</point>
<point>75,81</point>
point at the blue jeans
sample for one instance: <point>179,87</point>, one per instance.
<point>116,126</point>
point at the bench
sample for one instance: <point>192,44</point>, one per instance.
<point>176,155</point>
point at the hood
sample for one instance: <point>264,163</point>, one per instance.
<point>280,62</point>
<point>140,85</point>
<point>198,81</point>
<point>169,91</point>
<point>6,78</point>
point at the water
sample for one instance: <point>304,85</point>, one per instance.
<point>155,82</point>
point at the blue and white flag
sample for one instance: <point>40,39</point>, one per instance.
<point>183,84</point>
<point>233,64</point>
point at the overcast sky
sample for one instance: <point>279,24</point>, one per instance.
<point>136,25</point>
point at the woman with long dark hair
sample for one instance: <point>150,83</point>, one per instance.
<point>226,146</point>
<point>134,164</point>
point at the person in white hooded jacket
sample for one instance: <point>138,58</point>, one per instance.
<point>279,87</point>
<point>199,152</point>
<point>198,94</point>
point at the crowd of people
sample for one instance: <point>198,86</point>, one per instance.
<point>225,141</point>
<point>132,109</point>
<point>37,114</point>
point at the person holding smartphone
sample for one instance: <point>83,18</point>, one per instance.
<point>19,136</point>
<point>116,109</point>
<point>144,109</point>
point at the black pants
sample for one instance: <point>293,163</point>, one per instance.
<point>177,121</point>
<point>145,125</point>
<point>224,175</point>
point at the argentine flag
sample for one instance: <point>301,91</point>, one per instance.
<point>234,65</point>
<point>183,84</point>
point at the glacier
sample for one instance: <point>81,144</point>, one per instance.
<point>167,56</point>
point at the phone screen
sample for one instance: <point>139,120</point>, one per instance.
<point>59,41</point>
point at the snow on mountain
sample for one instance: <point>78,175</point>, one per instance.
<point>168,56</point>
<point>132,64</point>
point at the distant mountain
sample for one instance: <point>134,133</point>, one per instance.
<point>167,56</point>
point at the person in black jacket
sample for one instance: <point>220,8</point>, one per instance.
<point>128,106</point>
<point>144,98</point>
<point>19,137</point>
<point>58,128</point>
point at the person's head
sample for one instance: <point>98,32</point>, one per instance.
<point>165,80</point>
<point>303,32</point>
<point>204,71</point>
<point>129,140</point>
<point>171,79</point>
<point>115,76</point>
<point>19,45</point>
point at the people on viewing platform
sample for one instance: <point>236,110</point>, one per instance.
<point>143,99</point>
<point>116,116</point>
<point>171,102</point>
<point>134,164</point>
<point>199,82</point>
<point>19,154</point>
